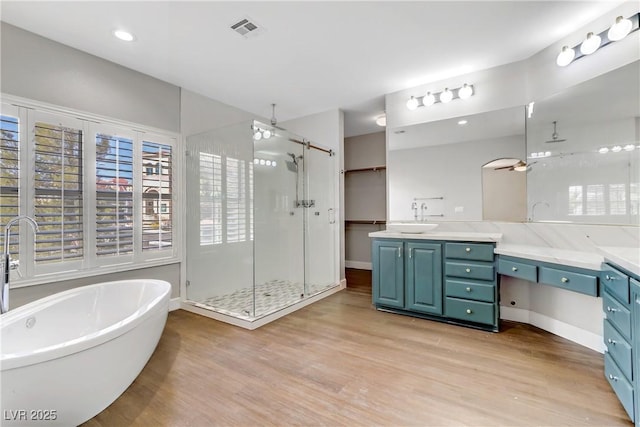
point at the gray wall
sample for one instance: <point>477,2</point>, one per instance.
<point>43,70</point>
<point>40,69</point>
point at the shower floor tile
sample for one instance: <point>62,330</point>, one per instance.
<point>270,297</point>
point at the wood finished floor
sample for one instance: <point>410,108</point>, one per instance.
<point>339,362</point>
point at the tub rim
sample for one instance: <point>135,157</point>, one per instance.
<point>71,346</point>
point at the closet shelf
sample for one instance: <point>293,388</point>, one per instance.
<point>372,168</point>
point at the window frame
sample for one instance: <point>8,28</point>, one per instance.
<point>28,113</point>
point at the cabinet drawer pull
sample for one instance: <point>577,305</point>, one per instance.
<point>399,252</point>
<point>564,280</point>
<point>410,252</point>
<point>514,268</point>
<point>469,311</point>
<point>611,309</point>
<point>468,249</point>
<point>468,270</point>
<point>613,377</point>
<point>468,289</point>
<point>610,341</point>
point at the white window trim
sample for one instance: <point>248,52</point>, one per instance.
<point>91,266</point>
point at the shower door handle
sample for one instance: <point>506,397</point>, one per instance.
<point>332,216</point>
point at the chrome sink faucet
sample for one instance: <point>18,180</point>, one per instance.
<point>5,261</point>
<point>414,206</point>
<point>423,207</point>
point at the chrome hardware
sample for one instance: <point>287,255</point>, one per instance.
<point>332,215</point>
<point>468,249</point>
<point>613,377</point>
<point>468,289</point>
<point>514,268</point>
<point>5,260</point>
<point>611,310</point>
<point>610,341</point>
<point>564,280</point>
<point>410,252</point>
<point>399,252</point>
<point>469,311</point>
<point>468,270</point>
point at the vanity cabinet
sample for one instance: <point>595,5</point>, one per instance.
<point>413,277</point>
<point>621,306</point>
<point>407,275</point>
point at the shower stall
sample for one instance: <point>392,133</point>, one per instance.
<point>261,224</point>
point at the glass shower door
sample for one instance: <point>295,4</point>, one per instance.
<point>278,218</point>
<point>321,219</point>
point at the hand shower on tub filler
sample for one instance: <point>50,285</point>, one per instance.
<point>5,261</point>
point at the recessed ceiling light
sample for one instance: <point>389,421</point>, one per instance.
<point>124,35</point>
<point>463,122</point>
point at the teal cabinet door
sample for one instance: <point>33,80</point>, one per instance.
<point>424,277</point>
<point>635,295</point>
<point>388,273</point>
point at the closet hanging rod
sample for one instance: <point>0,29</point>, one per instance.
<point>429,198</point>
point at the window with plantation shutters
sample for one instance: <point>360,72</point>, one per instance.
<point>156,196</point>
<point>57,184</point>
<point>9,177</point>
<point>236,200</point>
<point>114,195</point>
<point>210,199</point>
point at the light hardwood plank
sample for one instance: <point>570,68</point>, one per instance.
<point>341,362</point>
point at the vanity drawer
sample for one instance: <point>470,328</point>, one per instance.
<point>518,269</point>
<point>468,289</point>
<point>577,282</point>
<point>619,349</point>
<point>471,270</point>
<point>616,283</point>
<point>472,311</point>
<point>620,385</point>
<point>470,251</point>
<point>617,314</point>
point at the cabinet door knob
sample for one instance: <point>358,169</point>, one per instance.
<point>613,377</point>
<point>610,341</point>
<point>564,280</point>
<point>611,310</point>
<point>468,249</point>
<point>468,270</point>
<point>468,289</point>
<point>514,268</point>
<point>469,311</point>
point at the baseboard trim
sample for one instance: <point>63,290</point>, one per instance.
<point>174,304</point>
<point>360,265</point>
<point>572,333</point>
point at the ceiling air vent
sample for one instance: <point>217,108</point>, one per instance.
<point>247,27</point>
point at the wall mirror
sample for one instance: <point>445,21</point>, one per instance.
<point>435,169</point>
<point>583,152</point>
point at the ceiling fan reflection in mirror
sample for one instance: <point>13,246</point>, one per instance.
<point>555,137</point>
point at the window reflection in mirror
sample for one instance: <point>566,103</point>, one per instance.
<point>583,152</point>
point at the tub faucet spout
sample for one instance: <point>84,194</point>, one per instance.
<point>5,260</point>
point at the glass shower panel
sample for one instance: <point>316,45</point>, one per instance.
<point>278,218</point>
<point>219,230</point>
<point>321,231</point>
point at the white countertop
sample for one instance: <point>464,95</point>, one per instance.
<point>627,258</point>
<point>440,235</point>
<point>588,260</point>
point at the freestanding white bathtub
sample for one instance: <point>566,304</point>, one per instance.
<point>66,357</point>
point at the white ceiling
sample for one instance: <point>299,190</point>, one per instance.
<point>311,56</point>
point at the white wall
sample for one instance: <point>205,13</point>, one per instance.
<point>452,171</point>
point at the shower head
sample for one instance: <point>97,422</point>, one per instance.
<point>292,164</point>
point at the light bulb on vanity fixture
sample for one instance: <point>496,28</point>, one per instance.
<point>465,91</point>
<point>619,29</point>
<point>412,103</point>
<point>590,44</point>
<point>381,120</point>
<point>446,96</point>
<point>428,99</point>
<point>565,56</point>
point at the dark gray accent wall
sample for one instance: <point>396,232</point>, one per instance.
<point>40,69</point>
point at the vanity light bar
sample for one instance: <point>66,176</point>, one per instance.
<point>592,42</point>
<point>463,92</point>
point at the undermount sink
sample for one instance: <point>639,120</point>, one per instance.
<point>410,227</point>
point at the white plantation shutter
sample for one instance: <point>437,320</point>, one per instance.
<point>157,207</point>
<point>236,200</point>
<point>9,175</point>
<point>114,195</point>
<point>210,199</point>
<point>58,184</point>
